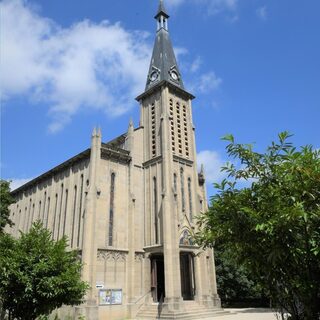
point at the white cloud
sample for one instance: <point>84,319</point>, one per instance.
<point>217,6</point>
<point>206,82</point>
<point>16,183</point>
<point>262,13</point>
<point>87,65</point>
<point>212,163</point>
<point>196,64</point>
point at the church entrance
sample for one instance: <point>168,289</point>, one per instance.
<point>187,276</point>
<point>157,278</point>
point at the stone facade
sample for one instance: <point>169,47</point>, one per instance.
<point>128,206</point>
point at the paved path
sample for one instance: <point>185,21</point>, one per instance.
<point>247,314</point>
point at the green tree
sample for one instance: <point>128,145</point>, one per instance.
<point>37,274</point>
<point>5,201</point>
<point>272,226</point>
<point>236,287</point>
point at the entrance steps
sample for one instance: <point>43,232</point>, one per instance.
<point>193,311</point>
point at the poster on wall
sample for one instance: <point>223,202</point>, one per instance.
<point>110,296</point>
<point>116,297</point>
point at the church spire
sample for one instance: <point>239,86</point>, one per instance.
<point>163,65</point>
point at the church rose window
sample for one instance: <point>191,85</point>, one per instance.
<point>111,210</point>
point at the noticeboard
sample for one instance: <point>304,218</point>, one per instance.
<point>110,296</point>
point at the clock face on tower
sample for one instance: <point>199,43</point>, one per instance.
<point>153,76</point>
<point>174,75</point>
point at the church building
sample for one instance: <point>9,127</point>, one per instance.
<point>128,207</point>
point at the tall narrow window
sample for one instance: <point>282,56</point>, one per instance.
<point>20,220</point>
<point>31,220</point>
<point>65,213</point>
<point>175,182</point>
<point>25,224</point>
<point>111,210</point>
<point>73,224</point>
<point>60,211</point>
<point>54,216</point>
<point>80,211</point>
<point>48,211</point>
<point>39,211</point>
<point>190,198</point>
<point>155,209</point>
<point>44,206</point>
<point>153,130</point>
<point>182,189</point>
<point>29,215</point>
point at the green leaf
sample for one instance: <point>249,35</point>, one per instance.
<point>228,137</point>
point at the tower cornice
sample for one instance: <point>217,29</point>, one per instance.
<point>165,83</point>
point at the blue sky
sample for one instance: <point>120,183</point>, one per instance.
<point>67,66</point>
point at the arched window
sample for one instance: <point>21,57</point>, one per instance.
<point>182,189</point>
<point>155,209</point>
<point>190,198</point>
<point>111,211</point>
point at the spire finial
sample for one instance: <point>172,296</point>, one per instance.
<point>161,9</point>
<point>202,169</point>
<point>130,127</point>
<point>99,132</point>
<point>162,17</point>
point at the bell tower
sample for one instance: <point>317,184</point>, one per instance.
<point>173,195</point>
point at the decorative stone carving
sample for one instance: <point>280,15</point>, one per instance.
<point>112,255</point>
<point>139,256</point>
